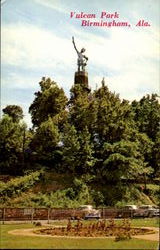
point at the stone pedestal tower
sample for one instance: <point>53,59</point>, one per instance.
<point>81,77</point>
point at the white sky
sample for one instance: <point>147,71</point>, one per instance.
<point>36,42</point>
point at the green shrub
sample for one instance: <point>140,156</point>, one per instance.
<point>20,184</point>
<point>98,198</point>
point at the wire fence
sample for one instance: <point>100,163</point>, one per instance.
<point>33,214</point>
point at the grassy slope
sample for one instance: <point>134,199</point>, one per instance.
<point>15,242</point>
<point>53,181</point>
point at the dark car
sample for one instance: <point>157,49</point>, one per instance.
<point>127,211</point>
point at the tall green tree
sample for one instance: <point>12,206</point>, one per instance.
<point>82,108</point>
<point>78,150</point>
<point>147,119</point>
<point>77,107</point>
<point>50,101</point>
<point>116,143</point>
<point>45,143</point>
<point>147,115</point>
<point>156,156</point>
<point>71,147</point>
<point>86,153</point>
<point>14,111</point>
<point>11,145</point>
<point>114,117</point>
<point>123,162</point>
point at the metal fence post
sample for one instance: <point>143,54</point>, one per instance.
<point>48,214</point>
<point>32,215</point>
<point>3,215</point>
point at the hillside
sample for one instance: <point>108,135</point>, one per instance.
<point>48,189</point>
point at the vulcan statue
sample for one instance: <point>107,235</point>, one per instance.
<point>82,59</point>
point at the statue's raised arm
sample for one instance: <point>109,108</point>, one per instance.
<point>82,59</point>
<point>74,44</point>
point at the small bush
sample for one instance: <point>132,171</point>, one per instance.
<point>124,232</point>
<point>98,198</point>
<point>20,184</point>
<point>122,235</point>
<point>37,224</point>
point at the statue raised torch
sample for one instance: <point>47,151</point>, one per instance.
<point>82,59</point>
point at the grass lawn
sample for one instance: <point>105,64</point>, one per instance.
<point>28,242</point>
<point>146,222</point>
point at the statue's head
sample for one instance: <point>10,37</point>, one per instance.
<point>83,50</point>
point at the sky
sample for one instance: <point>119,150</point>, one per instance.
<point>36,41</point>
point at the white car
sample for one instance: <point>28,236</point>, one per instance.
<point>86,207</point>
<point>147,211</point>
<point>86,212</point>
<point>130,207</point>
<point>93,215</point>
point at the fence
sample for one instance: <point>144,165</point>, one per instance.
<point>31,214</point>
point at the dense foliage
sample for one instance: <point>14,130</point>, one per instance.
<point>21,184</point>
<point>14,111</point>
<point>96,134</point>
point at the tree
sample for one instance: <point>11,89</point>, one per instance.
<point>11,145</point>
<point>14,111</point>
<point>49,102</point>
<point>82,109</point>
<point>119,147</point>
<point>86,153</point>
<point>147,118</point>
<point>71,147</point>
<point>78,105</point>
<point>114,122</point>
<point>147,115</point>
<point>124,161</point>
<point>114,117</point>
<point>156,156</point>
<point>78,150</point>
<point>45,143</point>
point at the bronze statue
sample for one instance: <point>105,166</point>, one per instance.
<point>82,59</point>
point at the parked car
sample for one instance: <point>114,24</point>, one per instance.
<point>127,211</point>
<point>147,211</point>
<point>92,215</point>
<point>87,212</point>
<point>86,207</point>
<point>130,207</point>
